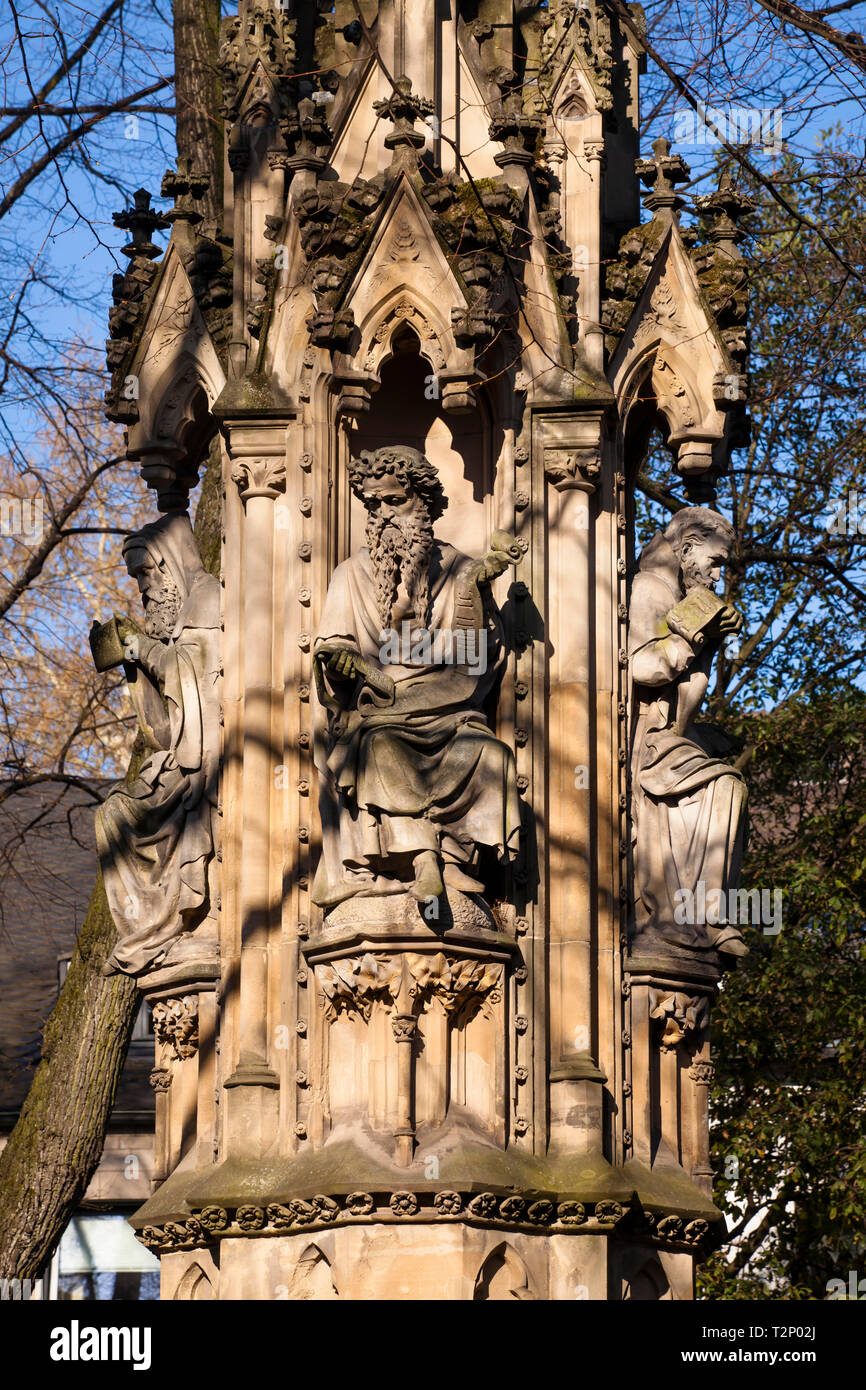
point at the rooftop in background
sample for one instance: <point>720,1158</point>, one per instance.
<point>47,873</point>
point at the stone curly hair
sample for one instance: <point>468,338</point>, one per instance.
<point>694,522</point>
<point>409,467</point>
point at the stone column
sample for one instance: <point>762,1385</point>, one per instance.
<point>700,1077</point>
<point>592,335</point>
<point>571,445</point>
<point>257,450</point>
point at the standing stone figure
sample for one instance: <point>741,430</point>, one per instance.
<point>688,805</point>
<point>156,837</point>
<point>415,786</point>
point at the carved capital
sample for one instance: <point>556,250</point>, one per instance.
<point>404,1027</point>
<point>175,1022</point>
<point>260,477</point>
<point>572,443</point>
<point>702,1073</point>
<point>684,1016</point>
<point>573,468</point>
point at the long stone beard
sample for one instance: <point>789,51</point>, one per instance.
<point>401,548</point>
<point>160,615</point>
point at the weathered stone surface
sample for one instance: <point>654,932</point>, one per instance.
<point>689,805</point>
<point>438,1037</point>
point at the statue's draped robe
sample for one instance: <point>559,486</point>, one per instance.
<point>156,838</point>
<point>425,772</point>
<point>689,807</point>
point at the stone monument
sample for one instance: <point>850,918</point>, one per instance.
<point>403,873</point>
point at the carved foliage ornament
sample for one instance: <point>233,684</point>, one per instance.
<point>702,1072</point>
<point>457,984</point>
<point>672,395</point>
<point>662,315</point>
<point>260,477</point>
<point>683,1015</point>
<point>175,1022</point>
<point>354,984</point>
<point>578,468</point>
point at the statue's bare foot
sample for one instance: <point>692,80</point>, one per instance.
<point>428,877</point>
<point>455,878</point>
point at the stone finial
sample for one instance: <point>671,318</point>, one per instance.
<point>516,131</point>
<point>721,213</point>
<point>661,174</point>
<point>403,108</point>
<point>186,186</point>
<point>306,133</point>
<point>141,221</point>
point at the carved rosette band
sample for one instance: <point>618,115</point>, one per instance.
<point>508,1211</point>
<point>175,1022</point>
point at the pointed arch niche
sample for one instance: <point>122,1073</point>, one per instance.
<point>407,409</point>
<point>502,1276</point>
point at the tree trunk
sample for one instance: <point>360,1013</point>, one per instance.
<point>197,92</point>
<point>56,1145</point>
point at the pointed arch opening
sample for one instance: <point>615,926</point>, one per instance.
<point>313,1278</point>
<point>502,1276</point>
<point>648,1284</point>
<point>195,1286</point>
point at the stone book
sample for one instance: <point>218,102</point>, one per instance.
<point>695,614</point>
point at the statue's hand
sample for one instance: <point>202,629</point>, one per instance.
<point>730,621</point>
<point>131,636</point>
<point>344,664</point>
<point>504,550</point>
<point>341,662</point>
